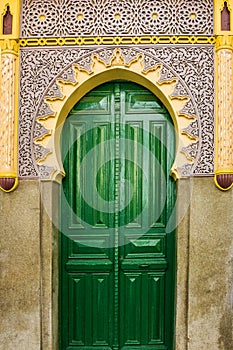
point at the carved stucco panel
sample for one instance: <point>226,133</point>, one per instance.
<point>38,70</point>
<point>176,92</point>
<point>41,71</point>
<point>60,18</point>
<point>195,65</point>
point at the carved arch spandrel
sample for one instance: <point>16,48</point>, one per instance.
<point>102,66</point>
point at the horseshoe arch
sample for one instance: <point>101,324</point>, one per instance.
<point>103,66</point>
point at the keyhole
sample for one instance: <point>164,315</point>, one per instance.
<point>225,18</point>
<point>7,22</point>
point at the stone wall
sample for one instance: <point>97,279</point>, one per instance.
<point>28,258</point>
<point>20,264</point>
<point>210,280</point>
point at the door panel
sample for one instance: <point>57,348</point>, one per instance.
<point>144,302</point>
<point>88,317</point>
<point>117,261</point>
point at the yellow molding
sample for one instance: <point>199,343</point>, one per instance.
<point>9,49</point>
<point>102,72</point>
<point>223,107</point>
<point>224,171</point>
<point>224,100</point>
<point>224,42</point>
<point>224,93</point>
<point>11,46</point>
<point>117,40</point>
<point>8,174</point>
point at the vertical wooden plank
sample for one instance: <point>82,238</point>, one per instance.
<point>157,174</point>
<point>88,310</point>
<point>101,309</point>
<point>145,309</point>
<point>156,311</point>
<point>101,175</point>
<point>131,308</point>
<point>77,291</point>
<point>76,177</point>
<point>133,174</point>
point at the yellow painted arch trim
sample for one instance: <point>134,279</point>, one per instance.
<point>101,78</point>
<point>102,73</point>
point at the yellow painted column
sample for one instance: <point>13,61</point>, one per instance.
<point>224,94</point>
<point>9,82</point>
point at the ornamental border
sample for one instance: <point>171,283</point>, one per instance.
<point>97,69</point>
<point>50,56</point>
<point>118,40</point>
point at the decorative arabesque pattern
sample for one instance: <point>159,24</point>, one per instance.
<point>196,68</point>
<point>41,69</point>
<point>61,18</point>
<point>126,57</point>
<point>38,69</point>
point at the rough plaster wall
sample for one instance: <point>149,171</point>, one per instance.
<point>209,278</point>
<point>210,314</point>
<point>183,212</point>
<point>20,268</point>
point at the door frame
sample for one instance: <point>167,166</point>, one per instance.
<point>50,189</point>
<point>49,256</point>
<point>170,275</point>
<point>159,78</point>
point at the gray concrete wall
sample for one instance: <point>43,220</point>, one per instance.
<point>28,263</point>
<point>210,280</point>
<point>20,268</point>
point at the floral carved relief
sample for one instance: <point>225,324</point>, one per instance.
<point>45,74</point>
<point>195,66</point>
<point>38,70</point>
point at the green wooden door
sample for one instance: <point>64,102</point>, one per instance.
<point>117,265</point>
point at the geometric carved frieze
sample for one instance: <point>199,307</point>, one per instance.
<point>186,71</point>
<point>68,18</point>
<point>175,92</point>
